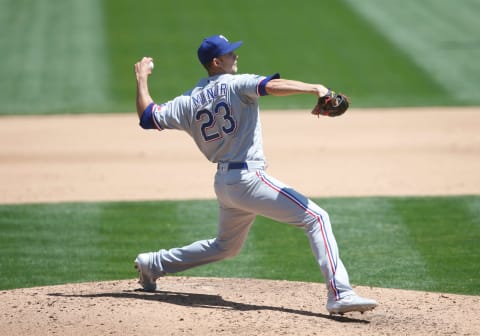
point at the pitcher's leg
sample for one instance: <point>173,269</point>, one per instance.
<point>324,247</point>
<point>233,228</point>
<point>284,204</point>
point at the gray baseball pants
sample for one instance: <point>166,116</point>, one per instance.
<point>242,195</point>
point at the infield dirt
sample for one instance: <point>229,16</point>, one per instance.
<point>430,151</point>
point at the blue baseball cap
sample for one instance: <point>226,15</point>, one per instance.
<point>214,46</point>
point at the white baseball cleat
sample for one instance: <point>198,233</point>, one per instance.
<point>146,274</point>
<point>350,303</point>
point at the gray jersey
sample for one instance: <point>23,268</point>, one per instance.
<point>221,114</point>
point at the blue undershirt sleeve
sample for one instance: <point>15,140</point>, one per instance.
<point>146,121</point>
<point>262,91</point>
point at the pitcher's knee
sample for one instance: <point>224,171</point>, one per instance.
<point>227,249</point>
<point>319,216</point>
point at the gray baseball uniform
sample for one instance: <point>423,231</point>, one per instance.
<point>221,114</point>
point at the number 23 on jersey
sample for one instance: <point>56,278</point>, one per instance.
<point>222,113</point>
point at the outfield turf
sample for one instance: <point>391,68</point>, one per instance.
<point>440,36</point>
<point>77,56</point>
<point>398,242</point>
<point>53,58</point>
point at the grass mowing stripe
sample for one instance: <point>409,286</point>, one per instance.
<point>161,32</point>
<point>473,208</point>
<point>56,59</point>
<point>446,232</point>
<point>77,56</point>
<point>440,36</point>
<point>354,58</point>
<point>129,228</point>
<point>280,251</point>
<point>389,242</point>
<point>194,221</point>
<point>48,244</point>
<point>374,244</point>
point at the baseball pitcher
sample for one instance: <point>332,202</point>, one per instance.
<point>221,114</point>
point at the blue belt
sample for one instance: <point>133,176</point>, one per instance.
<point>237,165</point>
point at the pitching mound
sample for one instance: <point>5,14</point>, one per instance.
<point>213,306</point>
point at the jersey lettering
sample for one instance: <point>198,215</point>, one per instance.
<point>209,119</point>
<point>208,95</point>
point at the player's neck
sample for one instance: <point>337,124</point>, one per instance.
<point>216,72</point>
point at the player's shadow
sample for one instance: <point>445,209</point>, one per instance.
<point>206,301</point>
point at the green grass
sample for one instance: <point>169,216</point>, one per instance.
<point>77,56</point>
<point>440,36</point>
<point>53,57</point>
<point>398,242</point>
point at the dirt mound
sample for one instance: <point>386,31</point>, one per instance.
<point>213,306</point>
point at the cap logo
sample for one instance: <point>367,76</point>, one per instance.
<point>223,37</point>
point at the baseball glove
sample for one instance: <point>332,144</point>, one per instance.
<point>332,104</point>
